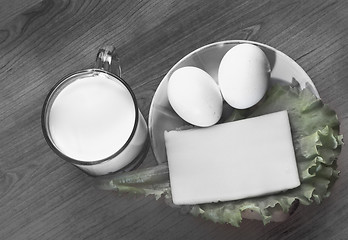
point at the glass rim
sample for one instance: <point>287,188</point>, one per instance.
<point>50,99</point>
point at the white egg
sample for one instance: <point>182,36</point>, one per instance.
<point>195,96</point>
<point>243,75</point>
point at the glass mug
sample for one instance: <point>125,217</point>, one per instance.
<point>91,119</point>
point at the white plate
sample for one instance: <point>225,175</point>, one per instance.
<point>162,117</point>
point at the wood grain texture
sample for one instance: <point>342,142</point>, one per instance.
<point>43,197</point>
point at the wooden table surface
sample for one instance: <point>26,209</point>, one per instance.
<point>44,197</point>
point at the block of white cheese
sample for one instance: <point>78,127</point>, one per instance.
<point>230,161</point>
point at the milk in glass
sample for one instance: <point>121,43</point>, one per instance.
<point>93,118</point>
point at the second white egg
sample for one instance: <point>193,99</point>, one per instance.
<point>243,75</point>
<point>195,96</point>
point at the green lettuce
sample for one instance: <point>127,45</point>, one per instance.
<point>317,144</point>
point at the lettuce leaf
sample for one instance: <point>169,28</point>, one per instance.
<point>317,144</point>
<point>146,181</point>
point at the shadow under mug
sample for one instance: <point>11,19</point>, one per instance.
<point>83,137</point>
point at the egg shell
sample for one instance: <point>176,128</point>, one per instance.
<point>195,96</point>
<point>243,75</point>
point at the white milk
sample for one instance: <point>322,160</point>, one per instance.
<point>92,118</point>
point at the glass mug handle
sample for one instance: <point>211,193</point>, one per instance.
<point>108,60</point>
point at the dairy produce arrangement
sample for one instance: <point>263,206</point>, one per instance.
<point>277,146</point>
<point>243,77</point>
